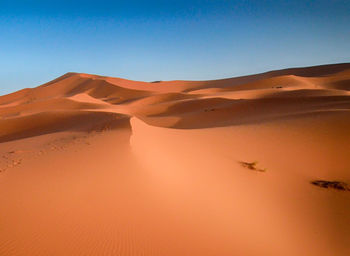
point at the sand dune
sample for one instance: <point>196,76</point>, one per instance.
<point>253,165</point>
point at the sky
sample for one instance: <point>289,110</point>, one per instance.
<point>167,39</point>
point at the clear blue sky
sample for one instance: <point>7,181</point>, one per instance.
<point>166,40</point>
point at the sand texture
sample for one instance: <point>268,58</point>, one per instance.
<point>249,166</point>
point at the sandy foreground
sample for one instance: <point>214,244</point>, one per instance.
<point>93,165</point>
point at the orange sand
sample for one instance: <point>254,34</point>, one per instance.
<point>93,165</point>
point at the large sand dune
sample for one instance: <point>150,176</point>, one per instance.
<point>93,165</point>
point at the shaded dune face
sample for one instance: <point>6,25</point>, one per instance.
<point>253,165</point>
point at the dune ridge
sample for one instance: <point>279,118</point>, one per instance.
<point>96,165</point>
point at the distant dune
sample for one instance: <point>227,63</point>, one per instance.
<point>253,165</point>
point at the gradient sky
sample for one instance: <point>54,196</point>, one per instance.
<point>167,40</point>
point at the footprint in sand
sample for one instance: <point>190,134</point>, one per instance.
<point>16,162</point>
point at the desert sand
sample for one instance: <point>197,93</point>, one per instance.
<point>248,166</point>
